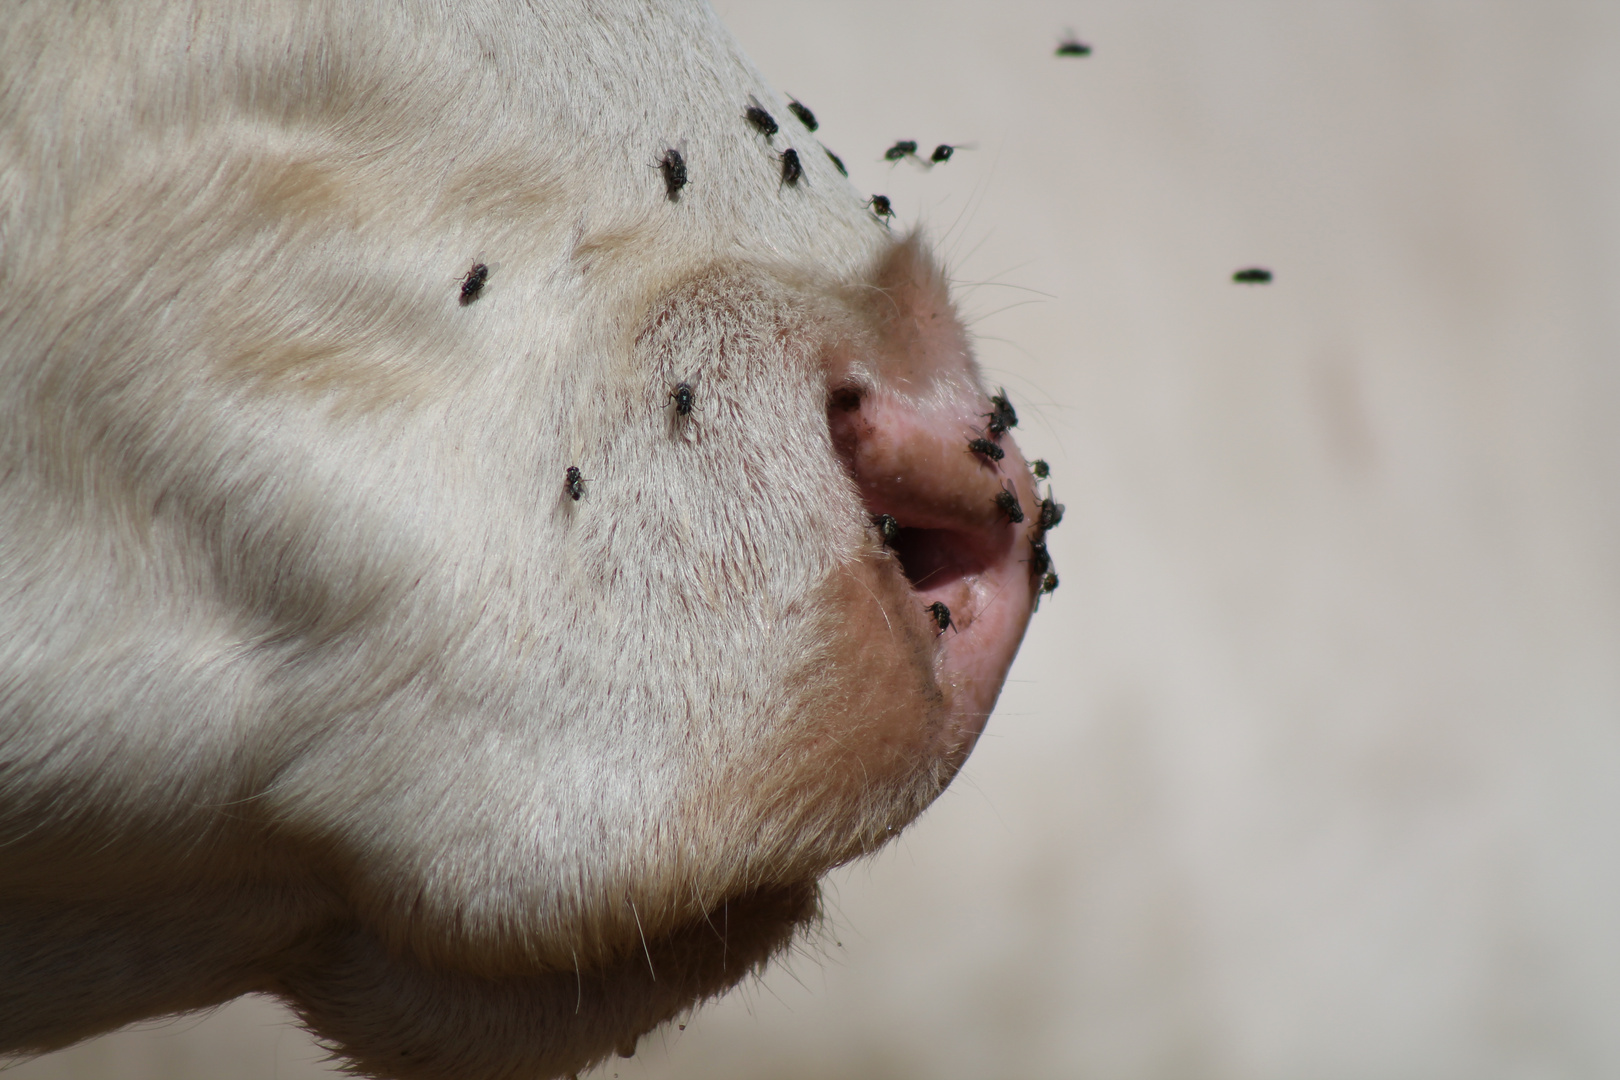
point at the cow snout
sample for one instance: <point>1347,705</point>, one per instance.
<point>957,535</point>
<point>951,511</point>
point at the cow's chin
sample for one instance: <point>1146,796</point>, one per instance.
<point>397,1018</point>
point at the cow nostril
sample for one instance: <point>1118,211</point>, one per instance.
<point>945,516</point>
<point>844,399</point>
<point>932,559</point>
<point>844,424</point>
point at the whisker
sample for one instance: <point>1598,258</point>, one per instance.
<point>643,934</point>
<point>881,610</point>
<point>1000,310</point>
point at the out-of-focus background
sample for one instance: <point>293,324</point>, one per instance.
<point>1311,767</point>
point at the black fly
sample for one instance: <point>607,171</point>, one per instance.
<point>473,283</point>
<point>1072,46</point>
<point>1254,275</point>
<point>1002,415</point>
<point>791,169</point>
<point>1051,514</point>
<point>1040,560</point>
<point>987,448</point>
<point>1008,502</point>
<point>902,148</point>
<point>942,152</point>
<point>942,616</point>
<point>683,396</point>
<point>673,166</point>
<point>573,482</point>
<point>887,527</point>
<point>763,122</point>
<point>806,117</point>
<point>1040,468</point>
<point>881,206</point>
<point>838,162</point>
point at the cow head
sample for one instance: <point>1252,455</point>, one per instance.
<point>321,674</point>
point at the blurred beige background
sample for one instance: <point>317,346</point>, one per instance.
<point>1311,768</point>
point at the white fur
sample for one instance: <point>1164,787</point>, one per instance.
<point>312,678</point>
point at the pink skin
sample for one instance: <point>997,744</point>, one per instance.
<point>957,546</point>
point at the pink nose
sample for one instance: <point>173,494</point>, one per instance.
<point>970,533</point>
